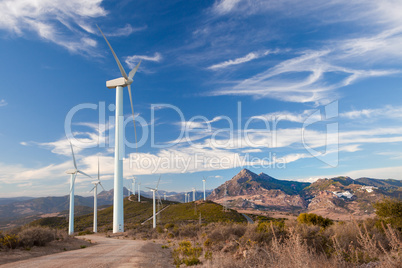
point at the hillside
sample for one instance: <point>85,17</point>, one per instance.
<point>136,213</point>
<point>20,212</point>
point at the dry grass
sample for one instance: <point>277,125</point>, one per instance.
<point>274,244</point>
<point>33,242</point>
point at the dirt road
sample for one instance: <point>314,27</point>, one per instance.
<point>108,252</point>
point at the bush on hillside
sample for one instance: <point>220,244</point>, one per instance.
<point>36,236</point>
<point>390,212</point>
<point>314,219</point>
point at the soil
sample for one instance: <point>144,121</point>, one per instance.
<point>105,252</point>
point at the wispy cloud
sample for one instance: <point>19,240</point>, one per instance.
<point>312,67</point>
<point>3,103</point>
<point>131,61</point>
<point>306,74</point>
<point>385,112</point>
<point>249,57</point>
<point>47,18</point>
<point>126,30</point>
<point>225,6</point>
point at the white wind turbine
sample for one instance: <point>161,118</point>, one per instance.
<point>119,84</point>
<point>193,194</point>
<point>95,189</point>
<point>154,190</point>
<point>203,186</point>
<point>73,172</point>
<point>133,186</point>
<point>139,192</point>
<point>185,197</point>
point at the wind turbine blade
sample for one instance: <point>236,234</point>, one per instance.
<point>92,189</point>
<point>123,73</point>
<point>98,171</point>
<point>101,186</point>
<point>158,182</point>
<point>72,186</point>
<point>72,151</point>
<point>83,173</point>
<point>132,110</point>
<point>134,70</point>
<point>150,188</point>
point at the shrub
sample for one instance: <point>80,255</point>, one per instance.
<point>186,254</point>
<point>169,225</point>
<point>36,236</point>
<point>390,212</point>
<point>10,241</point>
<point>314,219</point>
<point>86,232</point>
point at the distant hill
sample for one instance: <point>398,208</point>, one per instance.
<point>9,200</point>
<point>380,183</point>
<point>20,212</point>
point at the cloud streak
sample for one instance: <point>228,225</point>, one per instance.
<point>47,18</point>
<point>249,57</point>
<point>131,61</point>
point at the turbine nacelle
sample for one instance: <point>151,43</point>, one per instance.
<point>71,171</point>
<point>119,82</point>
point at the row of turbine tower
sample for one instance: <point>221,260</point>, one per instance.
<point>73,175</point>
<point>74,172</point>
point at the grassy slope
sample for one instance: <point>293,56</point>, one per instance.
<point>136,213</point>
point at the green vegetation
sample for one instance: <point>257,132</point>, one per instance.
<point>314,219</point>
<point>136,213</point>
<point>389,211</point>
<point>27,237</point>
<point>186,254</point>
<point>52,222</point>
<point>190,212</point>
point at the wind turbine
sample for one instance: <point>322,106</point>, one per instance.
<point>95,189</point>
<point>164,196</point>
<point>154,190</point>
<point>73,172</point>
<point>119,84</point>
<point>185,197</point>
<point>203,185</point>
<point>193,194</point>
<point>133,186</point>
<point>139,192</point>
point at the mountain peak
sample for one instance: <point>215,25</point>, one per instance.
<point>245,171</point>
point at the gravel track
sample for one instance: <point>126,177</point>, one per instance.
<point>108,252</point>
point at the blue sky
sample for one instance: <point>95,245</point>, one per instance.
<point>318,83</point>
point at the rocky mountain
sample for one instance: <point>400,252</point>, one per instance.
<point>249,190</point>
<point>334,197</point>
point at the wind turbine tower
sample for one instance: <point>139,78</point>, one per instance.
<point>154,190</point>
<point>133,186</point>
<point>194,194</point>
<point>139,192</point>
<point>119,84</point>
<point>95,189</point>
<point>203,185</point>
<point>73,175</point>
